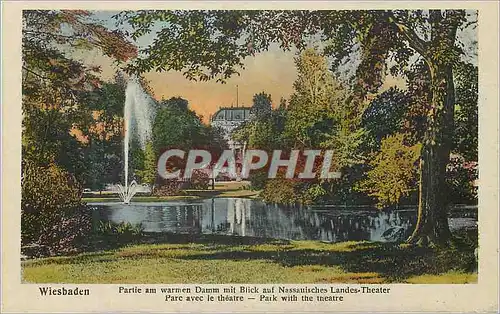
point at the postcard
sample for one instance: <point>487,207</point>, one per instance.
<point>250,156</point>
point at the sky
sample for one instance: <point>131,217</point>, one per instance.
<point>272,72</point>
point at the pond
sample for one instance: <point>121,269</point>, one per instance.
<point>254,218</point>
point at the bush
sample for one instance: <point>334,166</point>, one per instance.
<point>200,180</point>
<point>393,174</point>
<point>168,188</point>
<point>69,234</point>
<point>314,193</point>
<point>52,213</point>
<point>282,191</point>
<point>460,176</point>
<point>126,229</point>
<point>258,179</point>
<point>108,234</point>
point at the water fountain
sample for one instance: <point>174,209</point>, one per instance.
<point>138,115</point>
<point>127,192</point>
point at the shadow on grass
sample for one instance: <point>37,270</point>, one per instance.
<point>392,261</point>
<point>103,248</point>
<point>110,243</point>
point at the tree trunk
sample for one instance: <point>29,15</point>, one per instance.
<point>432,220</point>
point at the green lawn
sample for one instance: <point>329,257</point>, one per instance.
<point>140,198</point>
<point>222,189</point>
<point>213,259</point>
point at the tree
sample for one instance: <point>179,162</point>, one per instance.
<point>212,44</point>
<point>465,141</point>
<point>147,175</point>
<point>440,53</point>
<point>283,104</point>
<point>95,175</point>
<point>393,173</point>
<point>263,132</point>
<point>136,157</point>
<point>103,155</point>
<point>262,105</point>
<point>322,112</point>
<point>310,114</point>
<point>56,86</point>
<point>177,128</point>
<point>178,102</point>
<point>385,115</point>
<point>58,121</point>
<point>216,141</point>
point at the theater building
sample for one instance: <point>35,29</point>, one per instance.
<point>229,118</point>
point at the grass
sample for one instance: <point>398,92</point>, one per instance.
<point>449,277</point>
<point>141,198</point>
<point>220,259</point>
<point>222,190</point>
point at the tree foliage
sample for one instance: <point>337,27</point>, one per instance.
<point>147,175</point>
<point>176,127</point>
<point>262,105</point>
<point>310,114</point>
<point>176,102</point>
<point>323,113</point>
<point>385,115</point>
<point>213,44</point>
<point>62,116</point>
<point>465,141</point>
<point>56,86</point>
<point>393,174</point>
<point>51,211</point>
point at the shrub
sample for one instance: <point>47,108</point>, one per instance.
<point>393,174</point>
<point>258,179</point>
<point>460,177</point>
<point>52,213</point>
<point>108,228</point>
<point>111,233</point>
<point>282,191</point>
<point>200,180</point>
<point>314,193</point>
<point>69,234</point>
<point>168,188</point>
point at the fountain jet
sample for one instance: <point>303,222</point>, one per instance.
<point>138,116</point>
<point>127,192</point>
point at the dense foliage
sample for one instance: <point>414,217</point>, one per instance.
<point>69,118</point>
<point>52,214</point>
<point>392,173</point>
<point>392,145</point>
<point>213,45</point>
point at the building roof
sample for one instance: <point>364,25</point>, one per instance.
<point>232,114</point>
<point>234,108</point>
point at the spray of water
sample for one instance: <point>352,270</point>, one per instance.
<point>138,116</point>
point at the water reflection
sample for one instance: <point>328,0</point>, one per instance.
<point>245,217</point>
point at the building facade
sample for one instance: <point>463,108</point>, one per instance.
<point>228,119</point>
